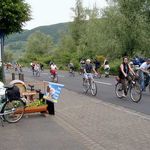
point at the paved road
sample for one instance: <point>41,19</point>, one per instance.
<point>105,90</point>
<point>81,123</point>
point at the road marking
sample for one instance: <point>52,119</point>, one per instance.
<point>61,76</point>
<point>105,83</point>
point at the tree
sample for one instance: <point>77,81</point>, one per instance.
<point>77,26</point>
<point>128,21</point>
<point>13,15</point>
<point>8,56</point>
<point>38,45</point>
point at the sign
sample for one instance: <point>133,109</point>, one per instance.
<point>53,92</point>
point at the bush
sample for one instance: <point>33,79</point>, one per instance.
<point>100,58</point>
<point>114,66</point>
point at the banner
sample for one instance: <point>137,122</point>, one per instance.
<point>53,92</point>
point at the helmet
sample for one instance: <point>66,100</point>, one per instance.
<point>88,60</point>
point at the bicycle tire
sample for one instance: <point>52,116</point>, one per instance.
<point>93,88</point>
<point>118,88</point>
<point>85,86</point>
<point>13,110</point>
<point>56,79</point>
<point>135,89</point>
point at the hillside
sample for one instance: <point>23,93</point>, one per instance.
<point>16,42</point>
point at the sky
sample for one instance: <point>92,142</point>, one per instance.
<point>48,12</point>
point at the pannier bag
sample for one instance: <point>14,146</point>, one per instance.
<point>13,93</point>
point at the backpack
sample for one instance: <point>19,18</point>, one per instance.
<point>13,93</point>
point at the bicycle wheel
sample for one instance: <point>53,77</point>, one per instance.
<point>93,88</point>
<point>135,93</point>
<point>119,90</point>
<point>13,110</point>
<point>85,86</point>
<point>56,79</point>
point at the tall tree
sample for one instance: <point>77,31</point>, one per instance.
<point>13,15</point>
<point>129,25</point>
<point>77,26</point>
<point>39,45</point>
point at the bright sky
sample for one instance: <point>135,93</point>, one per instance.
<point>47,12</point>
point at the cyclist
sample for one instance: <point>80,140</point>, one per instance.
<point>125,73</point>
<point>88,70</point>
<point>97,65</point>
<point>106,67</point>
<point>71,67</point>
<point>53,69</point>
<point>144,74</point>
<point>82,65</point>
<point>37,69</point>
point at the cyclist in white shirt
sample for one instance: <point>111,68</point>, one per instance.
<point>53,69</point>
<point>144,74</point>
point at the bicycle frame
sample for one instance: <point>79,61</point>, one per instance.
<point>89,83</point>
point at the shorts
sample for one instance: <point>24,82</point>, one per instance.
<point>88,75</point>
<point>53,72</point>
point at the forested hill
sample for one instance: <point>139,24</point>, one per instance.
<point>17,41</point>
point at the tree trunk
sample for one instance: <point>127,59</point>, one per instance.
<point>2,75</point>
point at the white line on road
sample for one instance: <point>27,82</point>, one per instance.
<point>61,76</point>
<point>103,83</point>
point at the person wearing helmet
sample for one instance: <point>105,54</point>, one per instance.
<point>89,69</point>
<point>144,74</point>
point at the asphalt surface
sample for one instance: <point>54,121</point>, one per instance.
<point>106,90</point>
<point>82,122</point>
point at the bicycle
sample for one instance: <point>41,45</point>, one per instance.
<point>71,72</point>
<point>89,84</point>
<point>132,87</point>
<point>54,77</point>
<point>12,110</point>
<point>37,73</point>
<point>148,84</point>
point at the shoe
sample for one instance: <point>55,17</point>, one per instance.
<point>124,95</point>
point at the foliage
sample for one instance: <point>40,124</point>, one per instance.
<point>114,65</point>
<point>53,30</point>
<point>38,45</point>
<point>122,28</point>
<point>13,15</point>
<point>78,26</point>
<point>8,56</point>
<point>100,58</point>
<point>36,103</point>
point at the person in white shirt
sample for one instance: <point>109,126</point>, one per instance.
<point>144,74</point>
<point>53,69</point>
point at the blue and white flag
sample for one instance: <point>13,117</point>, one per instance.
<point>53,92</point>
